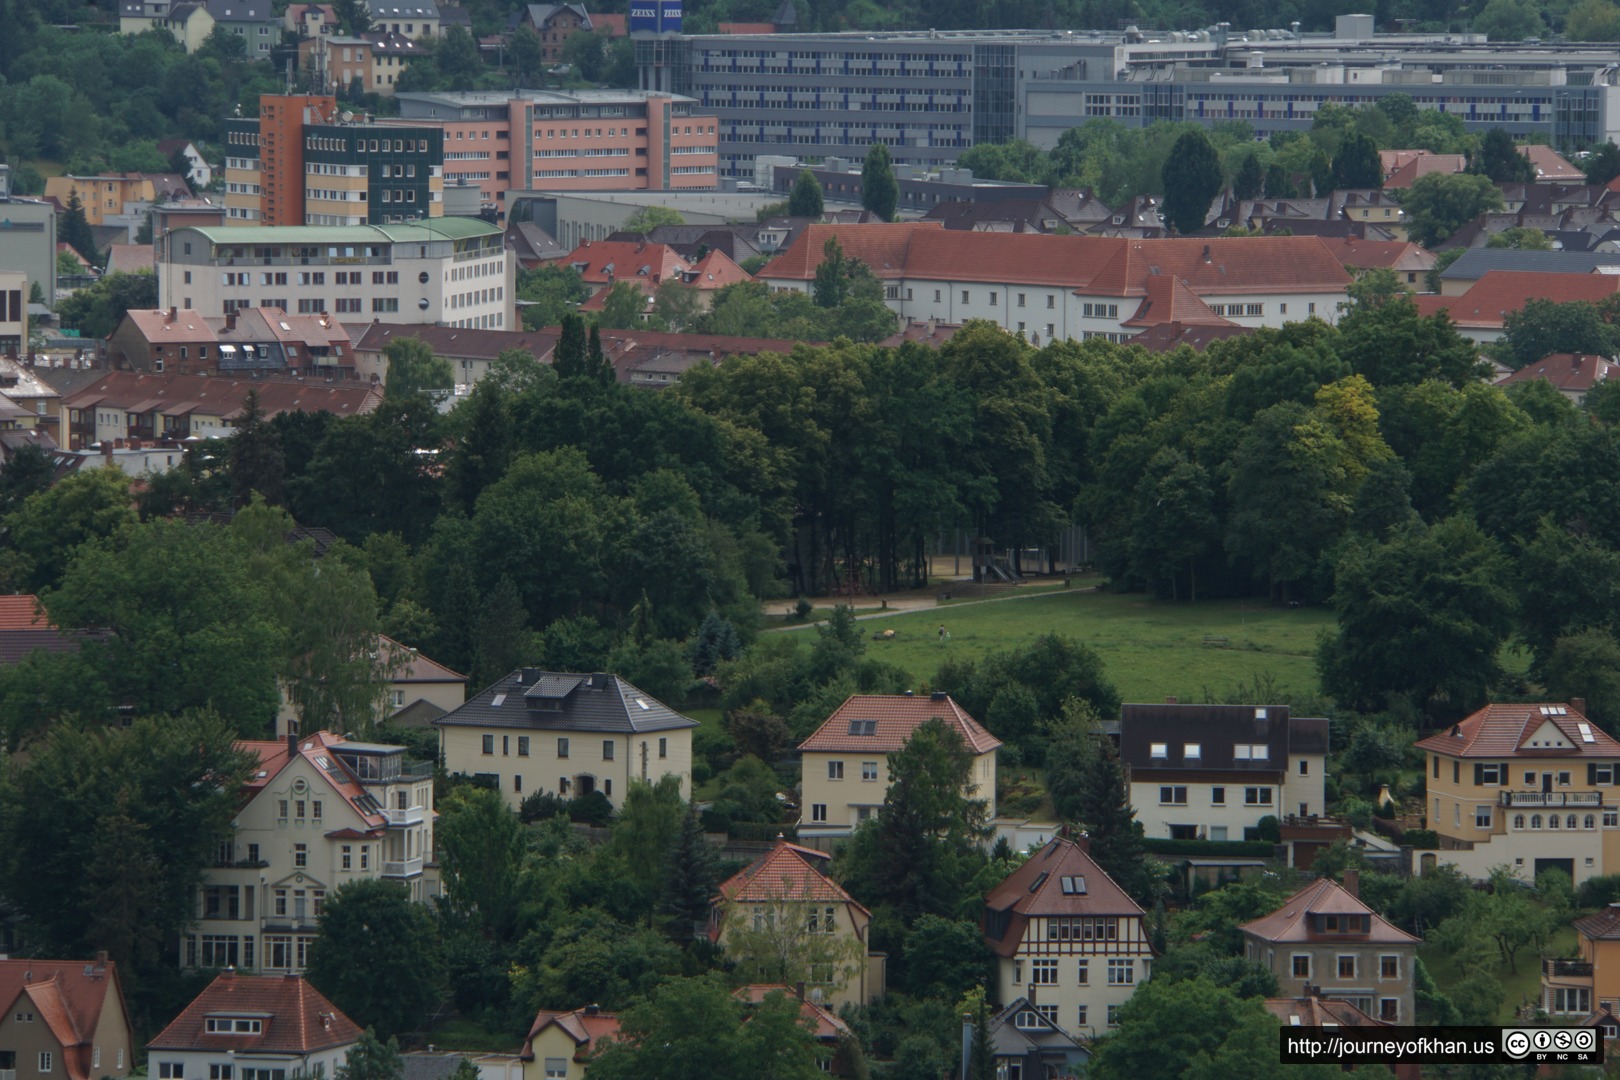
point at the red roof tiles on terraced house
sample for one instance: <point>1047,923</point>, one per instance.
<point>602,263</point>
<point>881,247</point>
<point>1252,264</point>
<point>319,750</point>
<point>297,1019</point>
<point>1536,730</point>
<point>215,395</point>
<point>1399,255</point>
<point>894,718</point>
<point>1490,300</point>
<point>1060,879</point>
<point>1292,923</point>
<point>1570,372</point>
<point>786,872</point>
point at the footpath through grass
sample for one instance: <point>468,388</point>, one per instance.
<point>1151,649</point>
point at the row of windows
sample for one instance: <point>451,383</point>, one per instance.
<point>1030,1019</point>
<point>1087,928</point>
<point>835,770</point>
<point>479,296</point>
<point>1176,795</point>
<point>482,322</point>
<point>690,170</point>
<point>1495,774</point>
<point>1121,972</point>
<point>1482,819</point>
<point>563,746</point>
<point>282,952</point>
<point>1389,966</point>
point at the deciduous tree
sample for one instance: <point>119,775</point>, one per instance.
<point>1192,178</point>
<point>377,956</point>
<point>880,191</point>
<point>806,200</point>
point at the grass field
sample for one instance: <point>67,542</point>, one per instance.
<point>1151,649</point>
<point>1516,988</point>
<point>469,1036</point>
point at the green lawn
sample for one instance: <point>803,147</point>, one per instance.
<point>1516,988</point>
<point>1152,649</point>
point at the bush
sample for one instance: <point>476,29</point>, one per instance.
<point>1422,839</point>
<point>1269,829</point>
<point>1256,848</point>
<point>542,806</point>
<point>802,608</point>
<point>592,809</point>
<point>1598,892</point>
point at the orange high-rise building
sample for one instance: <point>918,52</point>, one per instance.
<point>281,152</point>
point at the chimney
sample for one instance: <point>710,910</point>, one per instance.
<point>101,957</point>
<point>228,973</point>
<point>599,680</point>
<point>1206,253</point>
<point>937,695</point>
<point>592,1010</point>
<point>1352,883</point>
<point>1578,704</point>
<point>528,676</point>
<point>798,990</point>
<point>292,739</point>
<point>1083,842</point>
<point>292,976</point>
<point>174,313</point>
<point>1171,701</point>
<point>230,319</point>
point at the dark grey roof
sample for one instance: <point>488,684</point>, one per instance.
<point>16,645</point>
<point>599,702</point>
<point>429,1066</point>
<point>1045,1040</point>
<point>418,714</point>
<point>1475,263</point>
<point>404,9</point>
<point>454,15</point>
<point>241,11</point>
<point>1217,730</point>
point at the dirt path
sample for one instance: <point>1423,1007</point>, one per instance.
<point>908,605</point>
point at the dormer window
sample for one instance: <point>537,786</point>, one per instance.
<point>233,1025</point>
<point>1159,751</point>
<point>863,727</point>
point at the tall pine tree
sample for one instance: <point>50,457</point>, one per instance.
<point>691,880</point>
<point>1088,788</point>
<point>74,230</point>
<point>1192,178</point>
<point>880,191</point>
<point>570,354</point>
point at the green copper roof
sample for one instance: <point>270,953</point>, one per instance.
<point>447,228</point>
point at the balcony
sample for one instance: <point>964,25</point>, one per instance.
<point>405,868</point>
<point>1566,969</point>
<point>8,1074</point>
<point>413,815</point>
<point>1540,799</point>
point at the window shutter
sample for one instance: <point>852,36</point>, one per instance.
<point>1479,774</point>
<point>1591,775</point>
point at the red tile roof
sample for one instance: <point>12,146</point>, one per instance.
<point>298,1019</point>
<point>881,247</point>
<point>1550,164</point>
<point>1490,300</point>
<point>746,27</point>
<point>1324,897</point>
<point>716,270</point>
<point>23,613</point>
<point>273,757</point>
<point>1045,885</point>
<point>218,395</point>
<point>616,24</point>
<point>1225,265</point>
<point>1167,336</point>
<point>1423,164</point>
<point>1601,925</point>
<point>895,717</point>
<point>184,325</point>
<point>1577,372</point>
<point>585,1026</point>
<point>1387,254</point>
<point>1316,1011</point>
<point>603,262</point>
<point>68,996</point>
<point>1169,300</point>
<point>415,667</point>
<point>786,872</point>
<point>820,1019</point>
<point>1549,729</point>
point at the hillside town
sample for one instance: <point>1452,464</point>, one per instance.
<point>647,542</point>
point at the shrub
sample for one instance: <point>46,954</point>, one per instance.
<point>1597,892</point>
<point>592,809</point>
<point>1269,829</point>
<point>802,608</point>
<point>542,806</point>
<point>1422,839</point>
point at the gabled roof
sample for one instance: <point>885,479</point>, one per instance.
<point>23,612</point>
<point>881,247</point>
<point>297,1019</point>
<point>1167,336</point>
<point>1551,729</point>
<point>1500,293</point>
<point>1575,372</point>
<point>1389,254</point>
<point>1422,164</point>
<point>888,721</point>
<point>221,396</point>
<point>586,1027</point>
<point>1223,265</point>
<point>786,872</point>
<point>320,749</point>
<point>68,996</point>
<point>456,342</point>
<point>1316,1011</point>
<point>1475,263</point>
<point>1216,731</point>
<point>1324,897</point>
<point>820,1019</point>
<point>1041,1036</point>
<point>241,10</point>
<point>715,270</point>
<point>1550,164</point>
<point>415,667</point>
<point>129,258</point>
<point>603,262</point>
<point>1169,300</point>
<point>1601,925</point>
<point>1060,879</point>
<point>566,701</point>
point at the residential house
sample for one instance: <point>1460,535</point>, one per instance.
<point>1025,1045</point>
<point>1325,939</point>
<point>427,688</point>
<point>604,263</point>
<point>64,1018</point>
<point>1529,786</point>
<point>189,22</point>
<point>253,1027</point>
<point>13,313</point>
<point>1211,772</point>
<point>1371,209</point>
<point>831,1033</point>
<point>560,1044</point>
<point>1407,261</point>
<point>412,18</point>
<point>310,20</point>
<point>1166,337</point>
<point>846,759</point>
<point>787,892</point>
<point>254,21</point>
<point>471,353</point>
<point>320,811</point>
<point>126,405</point>
<point>129,258</point>
<point>555,24</point>
<point>1591,981</point>
<point>705,277</point>
<point>27,402</point>
<point>199,173</point>
<point>1076,286</point>
<point>112,196</point>
<point>1574,374</point>
<point>569,734</point>
<point>1067,939</point>
<point>242,341</point>
<point>1552,167</point>
<point>1311,1009</point>
<point>1403,167</point>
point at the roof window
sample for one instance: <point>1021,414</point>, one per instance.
<point>863,727</point>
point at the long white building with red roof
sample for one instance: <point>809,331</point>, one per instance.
<point>320,811</point>
<point>1530,786</point>
<point>846,759</point>
<point>1079,286</point>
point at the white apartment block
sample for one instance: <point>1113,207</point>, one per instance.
<point>449,271</point>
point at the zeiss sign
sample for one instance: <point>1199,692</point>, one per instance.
<point>655,16</point>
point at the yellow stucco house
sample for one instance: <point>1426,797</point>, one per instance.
<point>846,767</point>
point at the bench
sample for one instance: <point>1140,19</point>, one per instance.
<point>1213,640</point>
